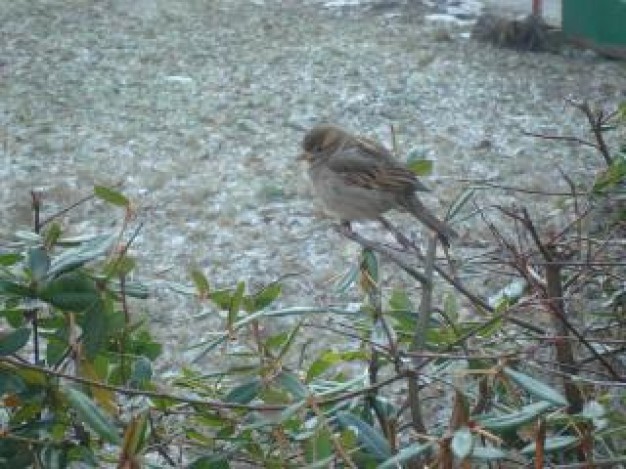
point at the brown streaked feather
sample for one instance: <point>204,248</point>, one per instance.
<point>366,163</point>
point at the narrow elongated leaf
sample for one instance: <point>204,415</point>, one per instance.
<point>141,372</point>
<point>213,461</point>
<point>134,439</point>
<point>276,418</point>
<point>291,339</point>
<point>328,359</point>
<point>201,282</point>
<point>38,263</point>
<point>462,443</point>
<point>419,165</point>
<point>536,388</point>
<point>14,341</point>
<point>347,279</point>
<point>557,443</point>
<point>91,414</point>
<point>459,203</point>
<point>291,383</point>
<point>52,234</point>
<point>516,419</point>
<point>73,258</point>
<point>13,289</point>
<point>369,267</point>
<point>245,393</point>
<point>404,455</point>
<point>235,304</point>
<point>94,325</point>
<point>10,383</point>
<point>319,447</point>
<point>488,453</point>
<point>10,258</point>
<point>370,438</point>
<point>264,298</point>
<point>111,196</point>
<point>70,292</point>
<point>105,398</point>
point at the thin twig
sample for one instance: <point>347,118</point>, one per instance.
<point>566,138</point>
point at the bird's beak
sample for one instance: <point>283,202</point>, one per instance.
<point>304,156</point>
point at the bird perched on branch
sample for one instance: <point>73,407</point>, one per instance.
<point>359,179</point>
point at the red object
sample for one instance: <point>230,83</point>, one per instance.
<point>537,7</point>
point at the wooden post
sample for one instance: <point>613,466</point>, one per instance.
<point>537,7</point>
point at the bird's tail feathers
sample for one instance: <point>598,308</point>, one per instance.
<point>418,210</point>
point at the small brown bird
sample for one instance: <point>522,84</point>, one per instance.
<point>358,179</point>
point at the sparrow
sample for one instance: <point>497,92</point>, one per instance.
<point>358,179</point>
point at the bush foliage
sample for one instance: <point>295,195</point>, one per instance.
<point>534,376</point>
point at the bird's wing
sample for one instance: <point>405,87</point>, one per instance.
<point>367,164</point>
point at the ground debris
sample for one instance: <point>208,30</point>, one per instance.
<point>528,34</point>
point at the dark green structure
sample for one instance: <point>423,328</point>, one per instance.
<point>599,24</point>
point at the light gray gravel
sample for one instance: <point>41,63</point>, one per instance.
<point>198,107</point>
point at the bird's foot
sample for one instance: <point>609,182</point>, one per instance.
<point>345,228</point>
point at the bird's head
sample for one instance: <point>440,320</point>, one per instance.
<point>321,141</point>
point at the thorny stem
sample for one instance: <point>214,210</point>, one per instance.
<point>549,292</point>
<point>419,338</point>
<point>36,201</point>
<point>400,258</point>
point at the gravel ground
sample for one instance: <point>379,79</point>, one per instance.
<point>198,107</point>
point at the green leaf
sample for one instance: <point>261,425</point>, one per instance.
<point>201,282</point>
<point>38,263</point>
<point>222,298</point>
<point>235,304</point>
<point>91,414</point>
<point>120,266</point>
<point>134,289</point>
<point>73,258</point>
<point>488,453</point>
<point>13,289</point>
<point>275,419</point>
<point>536,388</point>
<point>320,446</point>
<point>462,443</point>
<point>9,259</point>
<point>292,384</point>
<point>416,161</point>
<point>52,234</point>
<point>460,202</point>
<point>404,455</point>
<point>111,196</point>
<point>141,372</point>
<point>10,383</point>
<point>135,436</point>
<point>611,177</point>
<point>329,358</point>
<point>13,341</point>
<point>71,292</point>
<point>264,298</point>
<point>347,279</point>
<point>370,438</point>
<point>515,420</point>
<point>421,167</point>
<point>369,262</point>
<point>509,295</point>
<point>621,110</point>
<point>290,340</point>
<point>400,301</point>
<point>244,393</point>
<point>557,443</point>
<point>213,461</point>
<point>94,326</point>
